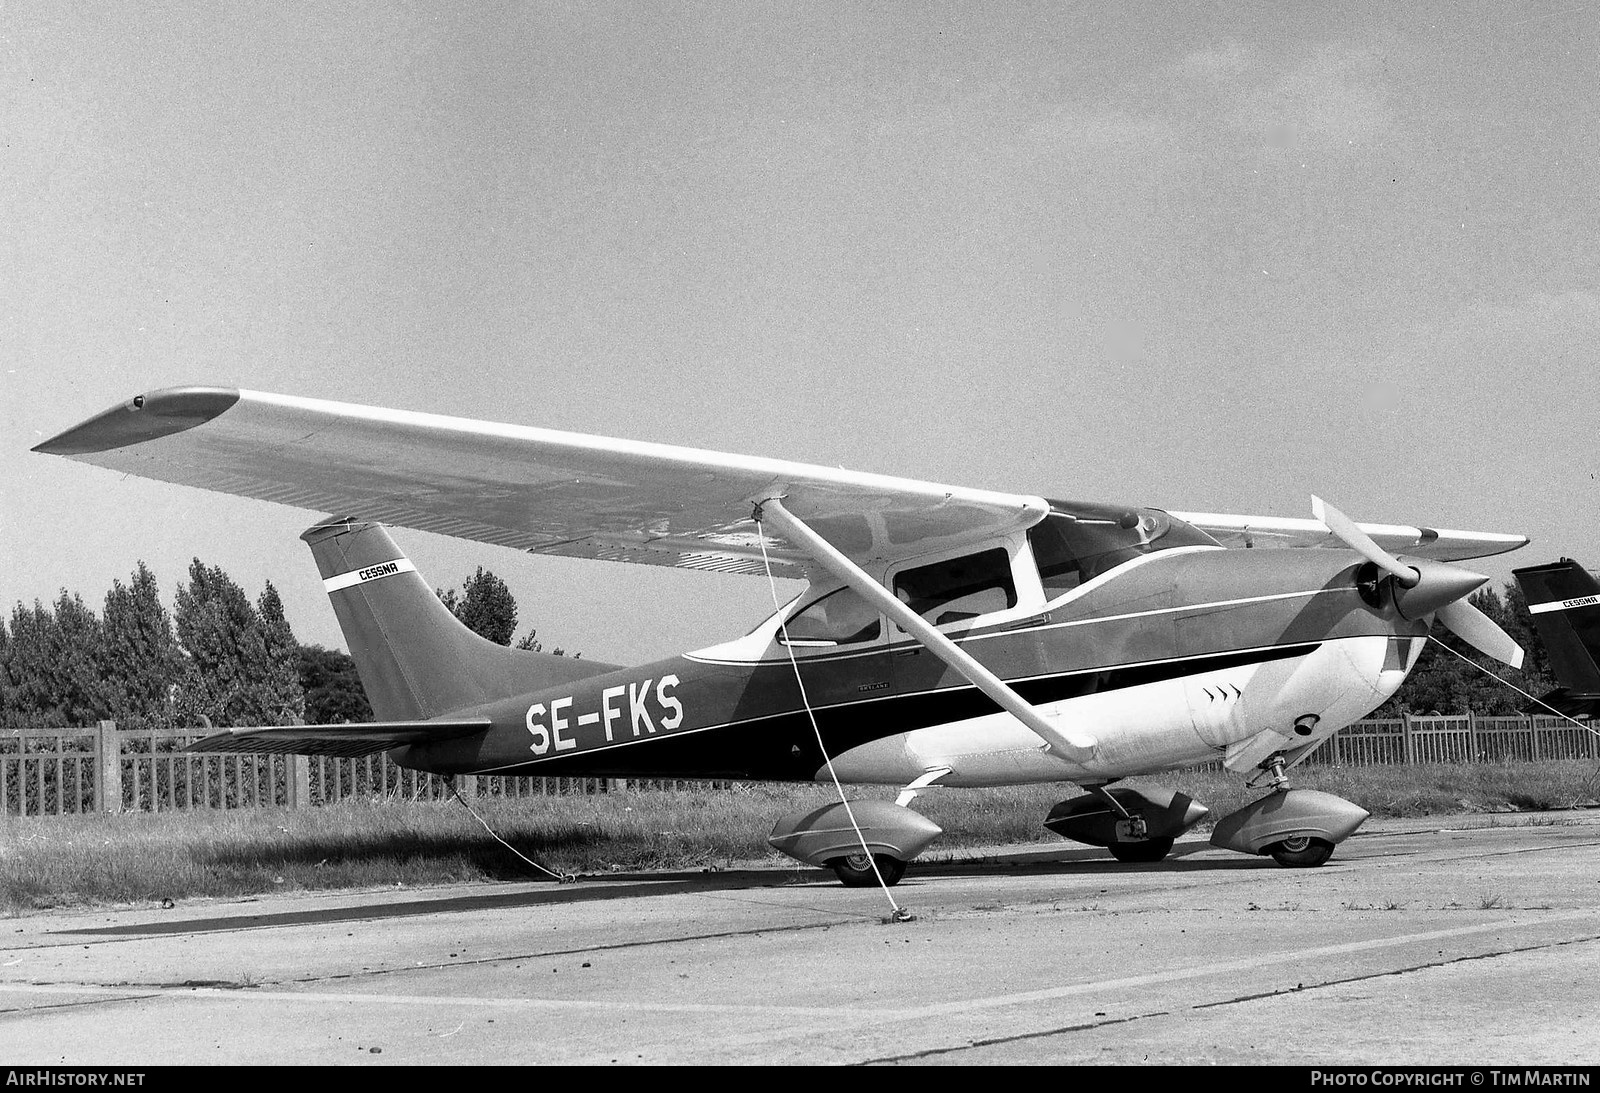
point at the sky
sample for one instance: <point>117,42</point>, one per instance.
<point>1201,257</point>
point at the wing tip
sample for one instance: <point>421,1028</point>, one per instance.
<point>142,418</point>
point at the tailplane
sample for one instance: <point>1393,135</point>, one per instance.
<point>416,659</point>
<point>1564,599</point>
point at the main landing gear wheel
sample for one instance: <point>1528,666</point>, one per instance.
<point>1301,851</point>
<point>855,871</point>
<point>1146,850</point>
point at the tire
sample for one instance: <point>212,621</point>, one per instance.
<point>1147,850</point>
<point>1301,851</point>
<point>854,871</point>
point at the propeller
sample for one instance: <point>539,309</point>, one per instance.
<point>1427,587</point>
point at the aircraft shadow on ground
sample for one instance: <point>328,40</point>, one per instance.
<point>625,885</point>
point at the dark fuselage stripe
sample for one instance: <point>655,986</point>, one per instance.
<point>782,746</point>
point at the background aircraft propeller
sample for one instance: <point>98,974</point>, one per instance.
<point>1428,587</point>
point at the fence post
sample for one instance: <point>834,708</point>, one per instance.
<point>467,786</point>
<point>299,782</point>
<point>1533,739</point>
<point>108,767</point>
<point>1472,738</point>
<point>1406,746</point>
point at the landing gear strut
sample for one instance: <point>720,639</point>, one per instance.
<point>1273,767</point>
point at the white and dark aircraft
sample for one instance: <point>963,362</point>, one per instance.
<point>945,637</point>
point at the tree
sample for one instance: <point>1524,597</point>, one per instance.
<point>282,680</point>
<point>1445,682</point>
<point>234,671</point>
<point>140,660</point>
<point>332,686</point>
<point>485,606</point>
<point>530,641</point>
<point>5,673</point>
<point>30,697</point>
<point>51,664</point>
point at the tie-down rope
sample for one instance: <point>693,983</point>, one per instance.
<point>898,915</point>
<point>564,878</point>
<point>1586,728</point>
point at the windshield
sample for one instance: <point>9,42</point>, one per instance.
<point>1078,542</point>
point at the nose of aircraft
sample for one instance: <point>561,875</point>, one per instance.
<point>1438,583</point>
<point>1427,586</point>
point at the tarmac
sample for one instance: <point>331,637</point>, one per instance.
<point>1461,941</point>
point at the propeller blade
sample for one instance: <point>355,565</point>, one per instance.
<point>1359,541</point>
<point>1481,632</point>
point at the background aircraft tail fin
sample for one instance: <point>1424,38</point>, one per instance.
<point>416,659</point>
<point>1564,600</point>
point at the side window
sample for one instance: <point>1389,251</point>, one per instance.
<point>1060,570</point>
<point>839,618</point>
<point>958,588</point>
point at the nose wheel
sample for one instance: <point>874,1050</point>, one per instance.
<point>1301,851</point>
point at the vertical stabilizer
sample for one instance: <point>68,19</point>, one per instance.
<point>1564,600</point>
<point>415,658</point>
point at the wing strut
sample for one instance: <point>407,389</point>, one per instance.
<point>1065,742</point>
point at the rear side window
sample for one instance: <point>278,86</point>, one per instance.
<point>959,588</point>
<point>839,618</point>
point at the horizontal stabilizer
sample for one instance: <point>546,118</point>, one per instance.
<point>346,741</point>
<point>1566,703</point>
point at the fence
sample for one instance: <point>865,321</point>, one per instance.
<point>52,772</point>
<point>1457,738</point>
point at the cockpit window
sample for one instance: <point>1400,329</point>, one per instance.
<point>1076,543</point>
<point>841,617</point>
<point>958,588</point>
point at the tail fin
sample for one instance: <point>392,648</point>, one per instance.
<point>414,657</point>
<point>1564,599</point>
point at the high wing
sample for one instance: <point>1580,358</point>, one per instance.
<point>537,490</point>
<point>1441,544</point>
<point>582,496</point>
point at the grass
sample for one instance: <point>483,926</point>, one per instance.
<point>72,861</point>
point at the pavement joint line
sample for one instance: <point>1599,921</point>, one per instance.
<point>1019,1037</point>
<point>610,1005</point>
<point>1426,966</point>
<point>855,1013</point>
<point>1170,974</point>
<point>957,1009</point>
<point>1087,1026</point>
